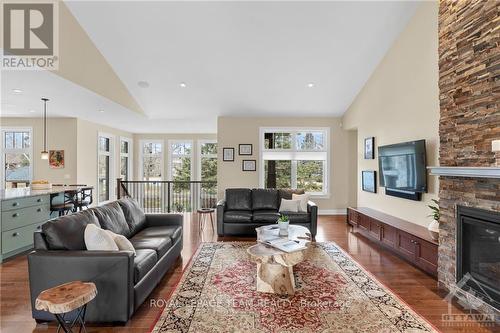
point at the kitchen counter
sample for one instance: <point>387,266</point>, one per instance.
<point>17,193</point>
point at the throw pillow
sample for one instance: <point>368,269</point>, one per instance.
<point>289,205</point>
<point>304,198</point>
<point>122,242</point>
<point>98,239</point>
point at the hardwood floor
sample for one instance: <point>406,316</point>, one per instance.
<point>416,288</point>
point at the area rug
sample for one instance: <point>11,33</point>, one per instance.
<point>217,293</point>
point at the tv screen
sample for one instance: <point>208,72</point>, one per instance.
<point>402,166</point>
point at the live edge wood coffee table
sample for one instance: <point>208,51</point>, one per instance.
<point>66,298</point>
<point>275,267</point>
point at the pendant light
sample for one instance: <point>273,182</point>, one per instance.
<point>45,153</point>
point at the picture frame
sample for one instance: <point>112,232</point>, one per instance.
<point>228,154</point>
<point>56,159</point>
<point>370,148</point>
<point>369,181</point>
<point>249,165</point>
<point>245,149</point>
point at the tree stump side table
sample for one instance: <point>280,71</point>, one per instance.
<point>65,298</point>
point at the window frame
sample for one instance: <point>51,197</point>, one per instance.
<point>129,155</point>
<point>171,157</point>
<point>111,155</point>
<point>200,155</point>
<point>141,157</point>
<point>4,150</point>
<point>326,193</point>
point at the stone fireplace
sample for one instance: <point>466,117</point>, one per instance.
<point>470,117</point>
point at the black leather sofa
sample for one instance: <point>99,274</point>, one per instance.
<point>123,280</point>
<point>245,209</point>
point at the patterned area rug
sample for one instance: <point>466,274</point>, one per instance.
<point>333,294</point>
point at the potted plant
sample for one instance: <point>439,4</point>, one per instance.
<point>434,225</point>
<point>283,222</point>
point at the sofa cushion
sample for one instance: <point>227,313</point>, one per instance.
<point>97,239</point>
<point>160,244</point>
<point>286,193</point>
<point>144,261</point>
<point>265,216</point>
<point>299,217</point>
<point>237,216</point>
<point>111,218</point>
<point>264,198</point>
<point>238,199</point>
<point>67,232</point>
<point>134,215</point>
<point>172,231</point>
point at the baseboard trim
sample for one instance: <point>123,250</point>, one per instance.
<point>340,211</point>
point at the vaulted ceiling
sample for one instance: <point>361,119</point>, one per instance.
<point>182,64</point>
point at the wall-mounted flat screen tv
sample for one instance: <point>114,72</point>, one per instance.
<point>403,169</point>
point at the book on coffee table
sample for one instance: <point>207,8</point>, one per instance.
<point>284,244</point>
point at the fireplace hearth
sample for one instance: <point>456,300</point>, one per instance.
<point>478,253</point>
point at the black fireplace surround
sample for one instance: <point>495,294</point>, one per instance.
<point>478,253</point>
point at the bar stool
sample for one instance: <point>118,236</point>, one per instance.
<point>83,198</point>
<point>68,204</point>
<point>202,218</point>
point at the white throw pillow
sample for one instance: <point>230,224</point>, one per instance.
<point>289,205</point>
<point>98,239</point>
<point>304,198</point>
<point>122,242</point>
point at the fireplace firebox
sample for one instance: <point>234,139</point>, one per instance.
<point>478,253</point>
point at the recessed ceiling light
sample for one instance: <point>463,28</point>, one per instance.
<point>143,84</point>
<point>17,91</point>
<point>32,111</point>
<point>310,85</point>
<point>182,85</point>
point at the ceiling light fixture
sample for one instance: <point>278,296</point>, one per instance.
<point>143,84</point>
<point>182,85</point>
<point>310,85</point>
<point>32,111</point>
<point>17,91</point>
<point>45,153</point>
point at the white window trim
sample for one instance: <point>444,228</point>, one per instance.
<point>129,155</point>
<point>111,154</point>
<point>3,150</point>
<point>326,169</point>
<point>171,156</point>
<point>141,157</point>
<point>198,164</point>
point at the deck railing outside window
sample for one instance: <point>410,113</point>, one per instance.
<point>170,196</point>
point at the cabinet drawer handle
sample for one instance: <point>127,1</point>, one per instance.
<point>15,234</point>
<point>39,200</point>
<point>39,227</point>
<point>39,210</point>
<point>14,204</point>
<point>15,215</point>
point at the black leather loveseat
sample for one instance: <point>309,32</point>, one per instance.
<point>123,280</point>
<point>244,209</point>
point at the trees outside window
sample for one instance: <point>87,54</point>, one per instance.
<point>208,173</point>
<point>295,158</point>
<point>16,157</point>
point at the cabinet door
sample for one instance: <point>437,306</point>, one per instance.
<point>388,235</point>
<point>406,245</point>
<point>364,222</point>
<point>427,256</point>
<point>375,229</point>
<point>353,217</point>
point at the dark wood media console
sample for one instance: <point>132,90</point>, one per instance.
<point>408,240</point>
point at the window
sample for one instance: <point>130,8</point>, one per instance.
<point>207,173</point>
<point>105,162</point>
<point>152,160</point>
<point>17,153</point>
<point>125,158</point>
<point>295,158</point>
<point>180,161</point>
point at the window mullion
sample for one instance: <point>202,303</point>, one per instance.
<point>294,173</point>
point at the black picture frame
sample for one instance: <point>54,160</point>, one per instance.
<point>369,148</point>
<point>245,146</point>
<point>229,151</point>
<point>251,168</point>
<point>369,181</point>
